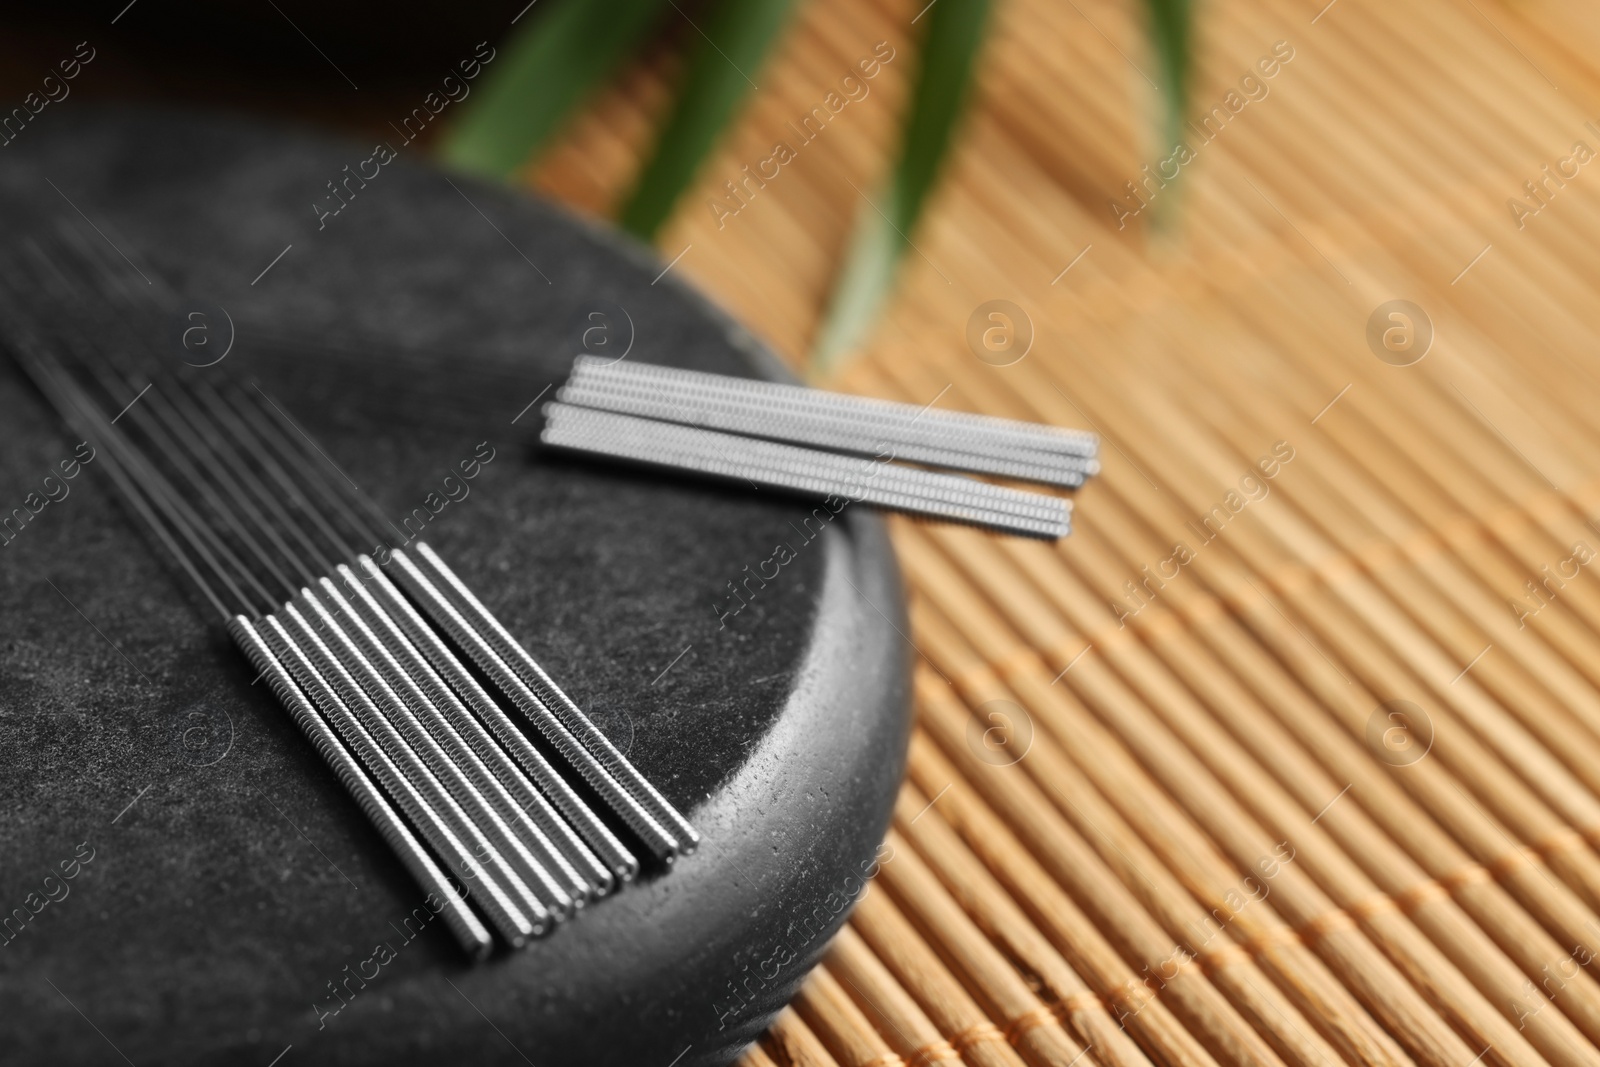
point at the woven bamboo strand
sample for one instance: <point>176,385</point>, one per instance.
<point>1248,918</point>
<point>1024,1019</point>
<point>1580,696</point>
<point>1560,913</point>
<point>790,1043</point>
<point>895,941</point>
<point>840,1024</point>
<point>1004,923</point>
<point>1010,594</point>
<point>1497,980</point>
<point>1534,280</point>
<point>756,1056</point>
<point>1472,559</point>
<point>1141,1010</point>
<point>1449,871</point>
<point>1164,957</point>
<point>1509,545</point>
<point>1498,843</point>
<point>1522,689</point>
<point>1477,762</point>
<point>892,1010</point>
<point>1365,652</point>
<point>1538,769</point>
<point>1507,798</point>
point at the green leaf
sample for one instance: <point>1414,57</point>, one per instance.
<point>950,44</point>
<point>868,274</point>
<point>1171,27</point>
<point>733,43</point>
<point>547,68</point>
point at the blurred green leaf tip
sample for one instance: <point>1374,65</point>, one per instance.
<point>564,50</point>
<point>547,68</point>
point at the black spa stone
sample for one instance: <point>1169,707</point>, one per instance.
<point>228,900</point>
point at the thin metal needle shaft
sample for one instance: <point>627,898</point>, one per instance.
<point>451,759</point>
<point>448,618</point>
<point>464,926</point>
<point>562,706</point>
<point>609,858</point>
<point>75,409</point>
<point>424,800</point>
<point>496,775</point>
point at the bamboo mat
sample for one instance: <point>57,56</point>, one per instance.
<point>1308,707</point>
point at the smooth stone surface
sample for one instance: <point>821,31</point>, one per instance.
<point>231,882</point>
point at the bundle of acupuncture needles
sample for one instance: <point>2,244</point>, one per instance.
<point>366,659</point>
<point>822,444</point>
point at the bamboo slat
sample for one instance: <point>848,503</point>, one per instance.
<point>841,1025</point>
<point>1004,923</point>
<point>790,1043</point>
<point>1029,1025</point>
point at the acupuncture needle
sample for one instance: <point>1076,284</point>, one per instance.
<point>618,862</point>
<point>934,427</point>
<point>514,924</point>
<point>734,412</point>
<point>482,793</point>
<point>437,606</point>
<point>565,420</point>
<point>475,787</point>
<point>310,662</point>
<point>492,652</point>
<point>468,931</point>
<point>800,470</point>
